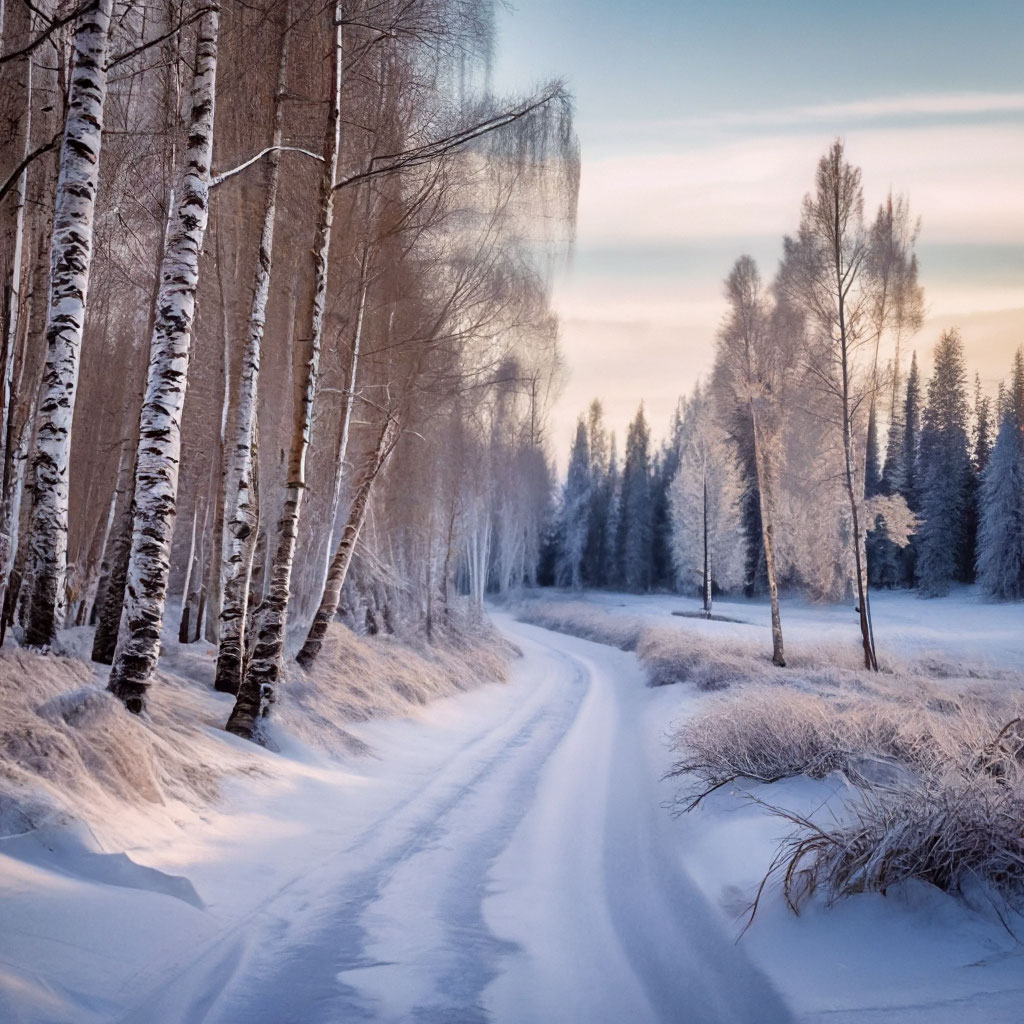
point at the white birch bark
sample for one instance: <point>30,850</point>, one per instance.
<point>70,260</point>
<point>156,475</point>
<point>14,304</point>
<point>264,667</point>
<point>339,567</point>
<point>241,511</point>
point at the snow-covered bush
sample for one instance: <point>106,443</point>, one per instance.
<point>945,831</point>
<point>938,777</point>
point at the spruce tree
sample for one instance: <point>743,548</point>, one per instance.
<point>595,557</point>
<point>944,474</point>
<point>612,569</point>
<point>872,468</point>
<point>1001,529</point>
<point>635,521</point>
<point>575,515</point>
<point>904,472</point>
<point>982,428</point>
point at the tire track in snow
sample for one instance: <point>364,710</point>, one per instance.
<point>201,986</point>
<point>426,864</point>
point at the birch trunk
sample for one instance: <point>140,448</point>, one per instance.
<point>15,513</point>
<point>765,491</point>
<point>17,257</point>
<point>241,510</point>
<point>339,567</point>
<point>706,581</point>
<point>264,668</point>
<point>156,476</point>
<point>71,257</point>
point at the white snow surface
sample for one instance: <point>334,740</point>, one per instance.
<point>502,855</point>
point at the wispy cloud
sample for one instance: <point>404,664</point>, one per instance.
<point>952,105</point>
<point>964,180</point>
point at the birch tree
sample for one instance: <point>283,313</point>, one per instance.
<point>342,559</point>
<point>264,667</point>
<point>156,477</point>
<point>826,274</point>
<point>71,260</point>
<point>758,354</point>
<point>241,512</point>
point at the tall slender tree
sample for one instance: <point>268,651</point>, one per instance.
<point>71,260</point>
<point>156,475</point>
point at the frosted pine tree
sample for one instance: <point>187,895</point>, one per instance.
<point>944,469</point>
<point>575,512</point>
<point>1001,527</point>
<point>635,525</point>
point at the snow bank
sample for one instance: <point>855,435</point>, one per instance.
<point>69,751</point>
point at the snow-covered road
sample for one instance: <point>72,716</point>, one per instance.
<point>523,876</point>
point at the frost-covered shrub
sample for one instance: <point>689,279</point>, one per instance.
<point>946,831</point>
<point>770,734</point>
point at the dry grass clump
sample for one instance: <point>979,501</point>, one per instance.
<point>708,662</point>
<point>768,735</point>
<point>358,678</point>
<point>939,779</point>
<point>70,750</point>
<point>946,832</point>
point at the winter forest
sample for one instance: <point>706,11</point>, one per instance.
<point>812,460</point>
<point>344,679</point>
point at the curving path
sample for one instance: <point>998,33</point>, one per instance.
<point>528,876</point>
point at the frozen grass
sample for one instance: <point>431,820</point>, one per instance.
<point>938,773</point>
<point>356,678</point>
<point>949,831</point>
<point>929,745</point>
<point>688,653</point>
<point>768,735</point>
<point>69,750</point>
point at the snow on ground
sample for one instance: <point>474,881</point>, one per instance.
<point>963,625</point>
<point>498,855</point>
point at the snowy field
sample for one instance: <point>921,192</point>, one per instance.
<point>504,854</point>
<point>963,625</point>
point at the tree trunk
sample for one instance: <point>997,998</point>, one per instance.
<point>343,556</point>
<point>849,462</point>
<point>264,668</point>
<point>156,478</point>
<point>71,256</point>
<point>765,490</point>
<point>241,511</point>
<point>706,575</point>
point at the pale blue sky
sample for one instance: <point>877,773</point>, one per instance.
<point>701,125</point>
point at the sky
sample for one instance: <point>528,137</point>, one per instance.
<point>700,126</point>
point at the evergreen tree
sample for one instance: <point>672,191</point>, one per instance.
<point>575,517</point>
<point>982,428</point>
<point>596,555</point>
<point>906,484</point>
<point>635,520</point>
<point>872,469</point>
<point>612,569</point>
<point>904,473</point>
<point>944,474</point>
<point>1001,529</point>
<point>664,472</point>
